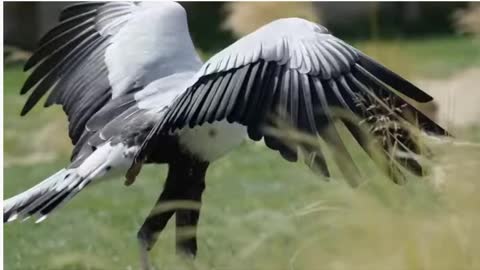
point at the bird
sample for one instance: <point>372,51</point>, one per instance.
<point>136,92</point>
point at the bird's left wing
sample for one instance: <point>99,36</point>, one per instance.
<point>101,52</point>
<point>295,69</point>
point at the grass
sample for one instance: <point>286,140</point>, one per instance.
<point>431,57</point>
<point>259,211</point>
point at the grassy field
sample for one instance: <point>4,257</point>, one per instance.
<point>259,211</point>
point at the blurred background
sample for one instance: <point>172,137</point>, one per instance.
<point>26,22</point>
<point>261,213</point>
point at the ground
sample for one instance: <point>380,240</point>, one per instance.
<point>261,212</point>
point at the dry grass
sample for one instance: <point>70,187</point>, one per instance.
<point>429,223</point>
<point>302,223</point>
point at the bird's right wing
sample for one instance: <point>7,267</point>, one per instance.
<point>296,70</point>
<point>101,54</point>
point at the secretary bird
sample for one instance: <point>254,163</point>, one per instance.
<point>135,92</point>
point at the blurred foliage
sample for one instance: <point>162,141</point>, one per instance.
<point>204,20</point>
<point>432,18</point>
<point>381,20</point>
<point>245,17</point>
<point>468,19</point>
<point>14,56</point>
<point>393,20</point>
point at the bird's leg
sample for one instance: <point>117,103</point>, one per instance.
<point>152,226</point>
<point>185,182</point>
<point>187,220</point>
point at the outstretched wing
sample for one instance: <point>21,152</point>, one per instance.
<point>104,53</point>
<point>295,69</point>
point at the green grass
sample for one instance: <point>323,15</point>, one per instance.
<point>433,57</point>
<point>259,211</point>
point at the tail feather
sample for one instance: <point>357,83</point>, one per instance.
<point>62,186</point>
<point>44,197</point>
<point>29,199</point>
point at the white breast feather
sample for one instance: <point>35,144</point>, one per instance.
<point>209,142</point>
